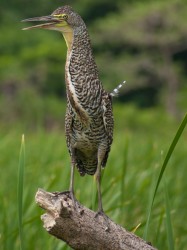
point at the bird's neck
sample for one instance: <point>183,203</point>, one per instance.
<point>81,73</point>
<point>80,52</point>
<point>68,37</point>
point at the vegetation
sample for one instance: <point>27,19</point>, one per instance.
<point>127,185</point>
<point>143,43</point>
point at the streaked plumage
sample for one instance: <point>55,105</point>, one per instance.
<point>89,118</point>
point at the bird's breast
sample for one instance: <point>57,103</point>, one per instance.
<point>73,94</point>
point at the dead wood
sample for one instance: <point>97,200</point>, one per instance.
<point>81,229</point>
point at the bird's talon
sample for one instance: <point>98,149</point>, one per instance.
<point>72,198</point>
<point>105,217</point>
<point>100,212</point>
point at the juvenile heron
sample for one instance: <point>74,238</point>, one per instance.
<point>89,117</point>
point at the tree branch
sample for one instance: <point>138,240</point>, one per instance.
<point>80,228</point>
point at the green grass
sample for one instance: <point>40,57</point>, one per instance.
<point>20,190</point>
<point>127,185</point>
<point>171,244</point>
<point>163,168</point>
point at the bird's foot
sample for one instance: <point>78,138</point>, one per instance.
<point>69,194</point>
<point>60,193</point>
<point>74,201</point>
<point>72,196</point>
<point>105,217</point>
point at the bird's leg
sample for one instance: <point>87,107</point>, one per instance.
<point>98,182</point>
<point>71,188</point>
<point>100,205</point>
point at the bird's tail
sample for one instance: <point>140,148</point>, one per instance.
<point>116,91</point>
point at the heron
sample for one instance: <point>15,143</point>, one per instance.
<point>89,119</point>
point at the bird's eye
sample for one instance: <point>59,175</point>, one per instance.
<point>61,16</point>
<point>65,17</point>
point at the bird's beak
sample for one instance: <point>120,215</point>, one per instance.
<point>50,21</point>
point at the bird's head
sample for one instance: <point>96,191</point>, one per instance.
<point>62,19</point>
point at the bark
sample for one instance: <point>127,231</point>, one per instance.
<point>80,228</point>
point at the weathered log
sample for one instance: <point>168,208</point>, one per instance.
<point>80,228</point>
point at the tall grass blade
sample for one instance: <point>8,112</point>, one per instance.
<point>20,190</point>
<point>161,216</point>
<point>4,224</point>
<point>135,229</point>
<point>164,165</point>
<point>123,179</point>
<point>168,220</point>
<point>123,174</point>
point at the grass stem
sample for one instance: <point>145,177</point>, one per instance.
<point>21,167</point>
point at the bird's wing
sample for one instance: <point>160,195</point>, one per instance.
<point>108,122</point>
<point>68,128</point>
<point>108,115</point>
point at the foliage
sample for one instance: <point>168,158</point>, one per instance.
<point>20,191</point>
<point>127,183</point>
<point>143,41</point>
<point>165,164</point>
<point>145,44</point>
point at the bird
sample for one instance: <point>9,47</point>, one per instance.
<point>89,121</point>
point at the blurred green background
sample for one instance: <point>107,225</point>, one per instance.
<point>142,42</point>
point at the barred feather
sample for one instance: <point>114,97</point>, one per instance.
<point>116,91</point>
